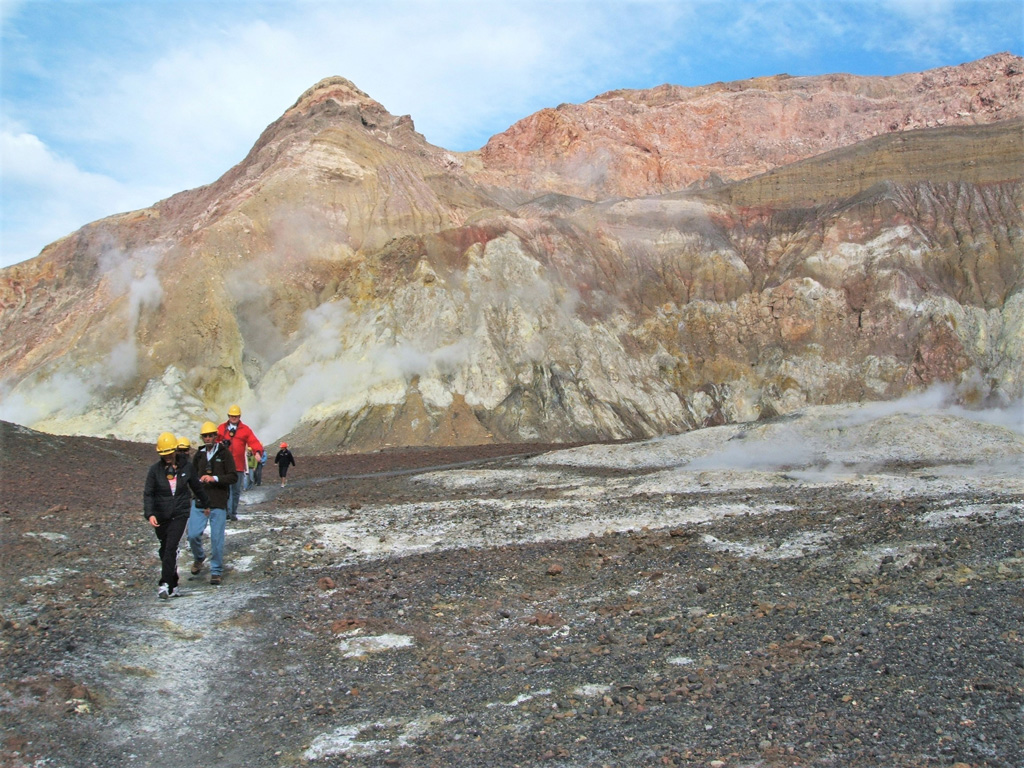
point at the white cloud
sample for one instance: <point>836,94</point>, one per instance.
<point>27,160</point>
<point>197,108</point>
<point>46,197</point>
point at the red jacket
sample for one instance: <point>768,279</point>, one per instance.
<point>243,437</point>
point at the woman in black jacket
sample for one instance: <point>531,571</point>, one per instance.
<point>283,459</point>
<point>166,504</point>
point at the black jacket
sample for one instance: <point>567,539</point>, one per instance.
<point>159,502</point>
<point>284,458</point>
<point>222,465</point>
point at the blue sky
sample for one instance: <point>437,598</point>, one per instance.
<point>108,106</point>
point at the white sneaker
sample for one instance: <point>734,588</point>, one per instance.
<point>163,593</point>
<point>176,592</point>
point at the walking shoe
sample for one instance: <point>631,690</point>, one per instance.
<point>163,593</point>
<point>197,566</point>
<point>215,579</point>
<point>175,592</point>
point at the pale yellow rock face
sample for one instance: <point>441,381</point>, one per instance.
<point>355,288</point>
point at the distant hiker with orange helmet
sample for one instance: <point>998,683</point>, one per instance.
<point>283,459</point>
<point>238,437</point>
<point>166,502</point>
<point>215,467</point>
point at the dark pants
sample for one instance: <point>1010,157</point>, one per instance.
<point>169,533</point>
<point>258,474</point>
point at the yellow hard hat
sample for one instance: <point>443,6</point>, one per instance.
<point>184,444</point>
<point>208,428</point>
<point>234,410</point>
<point>166,443</point>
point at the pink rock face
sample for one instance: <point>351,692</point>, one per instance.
<point>634,143</point>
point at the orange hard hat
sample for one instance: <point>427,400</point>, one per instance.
<point>284,445</point>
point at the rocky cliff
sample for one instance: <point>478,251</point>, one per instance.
<point>640,264</point>
<point>634,143</point>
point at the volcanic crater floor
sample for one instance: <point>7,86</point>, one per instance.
<point>617,605</point>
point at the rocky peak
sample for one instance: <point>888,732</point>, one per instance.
<point>338,99</point>
<point>333,128</point>
<point>338,88</point>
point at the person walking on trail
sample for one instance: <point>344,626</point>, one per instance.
<point>215,467</point>
<point>183,455</point>
<point>257,475</point>
<point>252,461</point>
<point>238,437</point>
<point>166,503</point>
<point>184,449</point>
<point>283,459</point>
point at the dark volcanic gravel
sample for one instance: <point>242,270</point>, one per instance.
<point>642,648</point>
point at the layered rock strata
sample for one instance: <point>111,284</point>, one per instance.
<point>355,287</point>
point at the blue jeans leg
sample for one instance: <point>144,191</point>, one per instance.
<point>217,518</point>
<point>235,491</point>
<point>196,527</point>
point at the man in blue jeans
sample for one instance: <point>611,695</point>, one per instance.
<point>215,467</point>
